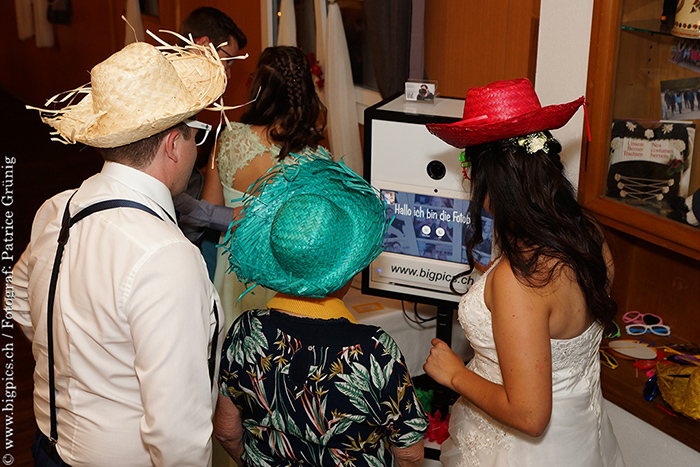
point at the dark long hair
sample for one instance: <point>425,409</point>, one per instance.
<point>286,102</point>
<point>537,219</point>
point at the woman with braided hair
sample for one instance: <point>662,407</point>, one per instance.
<point>286,118</point>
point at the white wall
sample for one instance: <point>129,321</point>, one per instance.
<point>562,68</point>
<point>643,445</point>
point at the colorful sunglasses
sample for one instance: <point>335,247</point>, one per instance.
<point>641,323</point>
<point>651,389</point>
<point>636,317</point>
<point>639,329</point>
<point>612,331</point>
<point>607,359</point>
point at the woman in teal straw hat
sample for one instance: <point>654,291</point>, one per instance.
<point>301,382</point>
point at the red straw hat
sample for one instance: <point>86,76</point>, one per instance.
<point>500,110</point>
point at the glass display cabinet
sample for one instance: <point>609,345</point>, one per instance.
<point>631,69</point>
<point>634,170</point>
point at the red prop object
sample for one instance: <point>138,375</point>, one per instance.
<point>438,428</point>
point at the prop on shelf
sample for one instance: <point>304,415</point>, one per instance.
<point>640,323</point>
<point>632,349</point>
<point>607,359</point>
<point>425,396</point>
<point>680,387</point>
<point>686,210</point>
<point>687,19</point>
<point>676,376</point>
<point>438,431</point>
<point>650,161</point>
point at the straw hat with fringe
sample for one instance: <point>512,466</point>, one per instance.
<point>138,92</point>
<point>306,228</point>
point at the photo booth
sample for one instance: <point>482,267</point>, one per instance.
<point>427,197</point>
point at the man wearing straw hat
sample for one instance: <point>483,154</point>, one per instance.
<point>123,320</point>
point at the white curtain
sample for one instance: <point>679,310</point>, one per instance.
<point>343,127</point>
<point>31,20</point>
<point>133,18</point>
<point>320,20</point>
<point>287,29</point>
<point>42,27</point>
<point>25,19</point>
<point>417,53</point>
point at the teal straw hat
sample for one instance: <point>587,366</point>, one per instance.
<point>306,228</point>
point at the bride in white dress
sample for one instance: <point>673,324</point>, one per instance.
<point>531,395</point>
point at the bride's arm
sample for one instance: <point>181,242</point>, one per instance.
<point>521,332</point>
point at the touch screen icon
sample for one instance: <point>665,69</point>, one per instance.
<point>440,232</point>
<point>425,230</point>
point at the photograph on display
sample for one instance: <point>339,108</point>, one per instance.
<point>686,53</point>
<point>433,227</point>
<point>680,99</point>
<point>417,91</point>
<point>650,161</point>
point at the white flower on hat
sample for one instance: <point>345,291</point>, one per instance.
<point>533,142</point>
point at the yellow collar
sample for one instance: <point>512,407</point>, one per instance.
<point>319,308</point>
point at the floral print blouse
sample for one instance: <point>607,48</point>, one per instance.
<point>318,392</point>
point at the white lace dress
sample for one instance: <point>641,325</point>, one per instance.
<point>238,146</point>
<point>579,432</point>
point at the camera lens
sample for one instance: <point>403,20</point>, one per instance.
<point>436,170</point>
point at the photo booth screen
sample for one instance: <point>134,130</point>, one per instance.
<point>427,197</point>
<point>424,228</point>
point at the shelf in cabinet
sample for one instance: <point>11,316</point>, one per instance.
<point>653,228</point>
<point>652,26</point>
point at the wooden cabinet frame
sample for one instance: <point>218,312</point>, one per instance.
<point>605,39</point>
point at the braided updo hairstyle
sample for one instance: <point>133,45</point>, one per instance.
<point>287,102</point>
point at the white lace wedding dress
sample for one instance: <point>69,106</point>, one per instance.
<point>238,146</point>
<point>579,432</point>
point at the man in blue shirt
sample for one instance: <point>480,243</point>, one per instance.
<point>201,221</point>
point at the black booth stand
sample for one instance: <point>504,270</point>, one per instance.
<point>442,398</point>
<point>407,157</point>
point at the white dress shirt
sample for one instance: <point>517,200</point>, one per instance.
<point>133,326</point>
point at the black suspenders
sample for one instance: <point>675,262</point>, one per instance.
<point>66,224</point>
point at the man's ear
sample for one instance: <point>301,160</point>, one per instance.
<point>170,143</point>
<point>204,40</point>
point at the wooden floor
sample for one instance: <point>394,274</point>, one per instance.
<point>33,169</point>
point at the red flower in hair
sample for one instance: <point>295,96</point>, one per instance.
<point>316,70</point>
